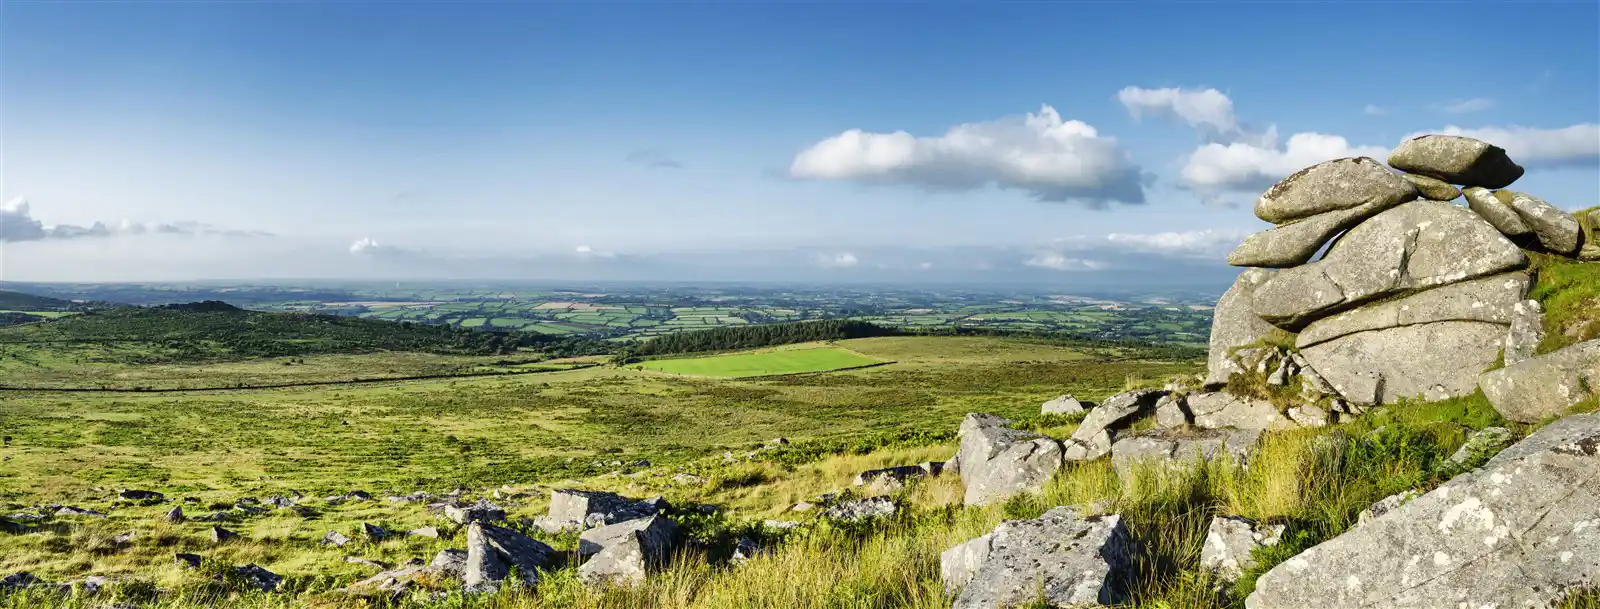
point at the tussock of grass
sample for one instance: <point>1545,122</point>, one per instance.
<point>1570,293</point>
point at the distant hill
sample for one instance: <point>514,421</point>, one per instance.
<point>214,329</point>
<point>18,301</point>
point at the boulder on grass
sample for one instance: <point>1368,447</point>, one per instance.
<point>998,462</point>
<point>1230,540</point>
<point>1181,448</point>
<point>1221,410</point>
<point>1095,434</point>
<point>1065,404</point>
<point>491,553</point>
<point>572,509</point>
<point>1061,558</point>
<point>623,552</point>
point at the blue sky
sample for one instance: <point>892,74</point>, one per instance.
<point>736,141</point>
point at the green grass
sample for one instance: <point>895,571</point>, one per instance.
<point>1570,293</point>
<point>764,363</point>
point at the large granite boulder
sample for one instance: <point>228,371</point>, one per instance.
<point>1230,540</point>
<point>998,461</point>
<point>1457,160</point>
<point>1333,185</point>
<point>1095,434</point>
<point>1558,231</point>
<point>1294,243</point>
<point>1496,212</point>
<point>1415,246</point>
<point>1489,299</point>
<point>1062,558</point>
<point>622,552</point>
<point>572,509</point>
<point>1433,361</point>
<point>1234,325</point>
<point>1521,531</point>
<point>1181,448</point>
<point>1065,404</point>
<point>1545,385</point>
<point>493,551</point>
<point>1221,410</point>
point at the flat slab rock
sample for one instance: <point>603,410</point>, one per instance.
<point>1457,160</point>
<point>1221,410</point>
<point>572,509</point>
<point>1070,560</point>
<point>1488,299</point>
<point>1181,448</point>
<point>1434,361</point>
<point>1333,185</point>
<point>1295,243</point>
<point>1234,324</point>
<point>1522,531</point>
<point>1544,385</point>
<point>1418,245</point>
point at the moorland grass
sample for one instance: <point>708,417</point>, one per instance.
<point>763,363</point>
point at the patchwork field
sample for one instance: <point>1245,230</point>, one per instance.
<point>807,358</point>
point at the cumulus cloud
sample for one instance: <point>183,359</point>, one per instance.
<point>651,157</point>
<point>584,251</point>
<point>365,245</point>
<point>1215,168</point>
<point>1372,110</point>
<point>841,260</point>
<point>1206,243</point>
<point>18,224</point>
<point>1465,106</point>
<point>1577,145</point>
<point>1057,261</point>
<point>1041,154</point>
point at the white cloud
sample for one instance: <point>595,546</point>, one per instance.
<point>1465,106</point>
<point>1372,110</point>
<point>1051,159</point>
<point>365,245</point>
<point>583,249</point>
<point>1215,168</point>
<point>18,224</point>
<point>1207,110</point>
<point>842,260</point>
<point>1207,243</point>
<point>1060,262</point>
<point>1537,148</point>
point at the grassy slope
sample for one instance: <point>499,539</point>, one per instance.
<point>813,358</point>
<point>19,301</point>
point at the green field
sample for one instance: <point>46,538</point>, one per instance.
<point>766,363</point>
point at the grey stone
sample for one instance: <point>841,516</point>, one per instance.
<point>1487,299</point>
<point>184,560</point>
<point>1181,449</point>
<point>958,564</point>
<point>448,564</point>
<point>745,549</point>
<point>1280,376</point>
<point>1415,246</point>
<point>1557,231</point>
<point>1482,443</point>
<point>1527,331</point>
<point>1066,559</point>
<point>1065,404</point>
<point>1457,160</point>
<point>481,511</point>
<point>1294,243</point>
<point>335,539</point>
<point>1497,213</point>
<point>1521,531</point>
<point>255,576</point>
<point>221,535</point>
<point>174,515</point>
<point>1307,415</point>
<point>375,533</point>
<point>424,532</point>
<point>140,496</point>
<point>1220,409</point>
<point>1333,185</point>
<point>1545,385</point>
<point>857,510</point>
<point>1437,190</point>
<point>1433,361</point>
<point>1095,434</point>
<point>20,579</point>
<point>493,551</point>
<point>623,552</point>
<point>69,510</point>
<point>897,474</point>
<point>1172,411</point>
<point>1234,325</point>
<point>1230,541</point>
<point>572,509</point>
<point>998,462</point>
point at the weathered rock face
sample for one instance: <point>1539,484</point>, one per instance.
<point>1234,324</point>
<point>572,509</point>
<point>1558,231</point>
<point>1457,160</point>
<point>1488,299</point>
<point>1067,559</point>
<point>1171,412</point>
<point>1225,410</point>
<point>1065,404</point>
<point>623,552</point>
<point>1434,360</point>
<point>1229,542</point>
<point>1415,246</point>
<point>1181,448</point>
<point>482,511</point>
<point>998,462</point>
<point>1438,190</point>
<point>1522,531</point>
<point>1295,243</point>
<point>857,510</point>
<point>1527,331</point>
<point>957,565</point>
<point>491,553</point>
<point>1333,185</point>
<point>1546,385</point>
<point>1497,213</point>
<point>1385,505</point>
<point>1095,434</point>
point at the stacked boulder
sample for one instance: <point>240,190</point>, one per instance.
<point>1413,296</point>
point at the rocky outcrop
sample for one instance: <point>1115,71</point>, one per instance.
<point>1527,331</point>
<point>1557,231</point>
<point>625,551</point>
<point>998,461</point>
<point>1235,325</point>
<point>1295,243</point>
<point>1061,558</point>
<point>1331,186</point>
<point>1496,212</point>
<point>1457,160</point>
<point>1488,299</point>
<point>1221,410</point>
<point>1433,361</point>
<point>1545,385</point>
<point>1065,404</point>
<point>1230,540</point>
<point>1521,531</point>
<point>1438,190</point>
<point>1181,448</point>
<point>1095,434</point>
<point>572,509</point>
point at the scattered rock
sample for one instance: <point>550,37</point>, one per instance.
<point>1094,435</point>
<point>491,553</point>
<point>1437,190</point>
<point>998,462</point>
<point>174,515</point>
<point>221,535</point>
<point>424,532</point>
<point>1220,410</point>
<point>1482,443</point>
<point>1558,231</point>
<point>482,511</point>
<point>957,565</point>
<point>280,502</point>
<point>622,552</point>
<point>1065,404</point>
<point>254,576</point>
<point>1527,331</point>
<point>572,509</point>
<point>187,561</point>
<point>1333,185</point>
<point>1234,325</point>
<point>69,510</point>
<point>1496,212</point>
<point>1545,385</point>
<point>1415,246</point>
<point>375,533</point>
<point>1457,160</point>
<point>140,496</point>
<point>857,510</point>
<point>1182,448</point>
<point>335,539</point>
<point>1060,558</point>
<point>1521,531</point>
<point>20,579</point>
<point>1307,415</point>
<point>1229,542</point>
